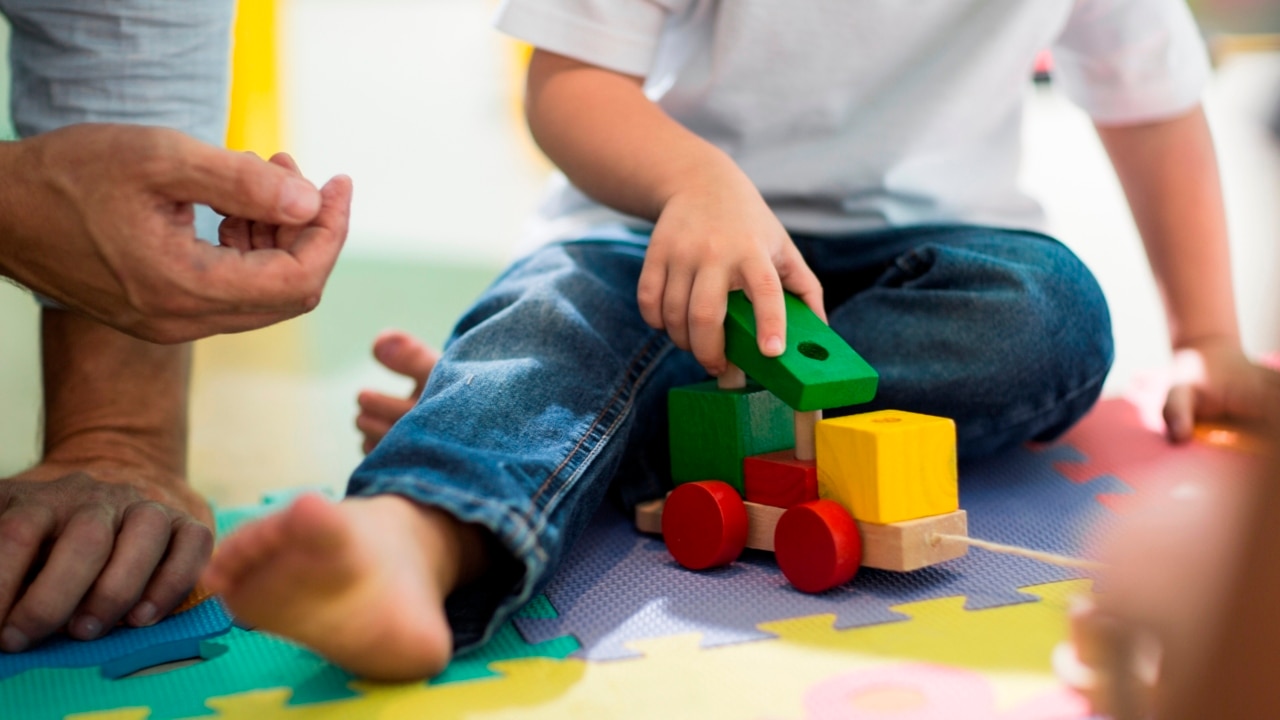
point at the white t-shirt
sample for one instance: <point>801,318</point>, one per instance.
<point>855,115</point>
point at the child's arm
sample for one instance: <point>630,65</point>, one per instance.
<point>1170,175</point>
<point>713,233</point>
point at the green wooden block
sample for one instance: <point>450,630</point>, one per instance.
<point>817,371</point>
<point>713,430</point>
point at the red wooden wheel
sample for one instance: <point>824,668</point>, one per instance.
<point>817,545</point>
<point>704,524</point>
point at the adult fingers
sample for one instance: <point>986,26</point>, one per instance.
<point>286,161</point>
<point>238,184</point>
<point>383,407</point>
<point>189,551</point>
<point>275,283</point>
<point>650,290</point>
<point>318,245</point>
<point>233,232</point>
<point>139,547</point>
<point>262,236</point>
<point>675,306</point>
<point>707,306</point>
<point>798,278</point>
<point>23,530</point>
<point>78,556</point>
<point>402,353</point>
<point>762,286</point>
<point>1180,413</point>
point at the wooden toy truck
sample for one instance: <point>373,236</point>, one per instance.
<point>826,496</point>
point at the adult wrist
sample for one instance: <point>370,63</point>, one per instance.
<point>118,448</point>
<point>10,181</point>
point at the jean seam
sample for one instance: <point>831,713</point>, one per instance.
<point>648,358</point>
<point>612,429</point>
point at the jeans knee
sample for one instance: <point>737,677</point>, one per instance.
<point>559,292</point>
<point>1055,358</point>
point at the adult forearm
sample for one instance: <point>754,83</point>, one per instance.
<point>112,398</point>
<point>611,141</point>
<point>1170,174</point>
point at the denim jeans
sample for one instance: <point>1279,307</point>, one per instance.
<point>552,389</point>
<point>141,62</point>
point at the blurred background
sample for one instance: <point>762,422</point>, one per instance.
<point>419,101</point>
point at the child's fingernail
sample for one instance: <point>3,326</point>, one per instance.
<point>773,346</point>
<point>12,640</point>
<point>144,614</point>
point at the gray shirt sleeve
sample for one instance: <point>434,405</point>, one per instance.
<point>142,62</point>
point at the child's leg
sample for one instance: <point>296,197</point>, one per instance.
<point>547,383</point>
<point>1006,332</point>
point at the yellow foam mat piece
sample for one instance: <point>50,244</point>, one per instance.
<point>1005,649</point>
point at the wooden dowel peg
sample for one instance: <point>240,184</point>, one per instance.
<point>805,422</point>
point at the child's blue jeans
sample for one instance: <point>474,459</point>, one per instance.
<point>553,389</point>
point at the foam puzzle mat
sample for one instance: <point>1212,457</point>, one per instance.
<point>622,631</point>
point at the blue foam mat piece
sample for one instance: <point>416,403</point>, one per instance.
<point>617,585</point>
<point>126,650</point>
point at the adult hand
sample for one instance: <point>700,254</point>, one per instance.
<point>101,546</point>
<point>1215,381</point>
<point>404,354</point>
<point>100,219</point>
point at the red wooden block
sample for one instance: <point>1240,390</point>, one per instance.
<point>704,524</point>
<point>779,479</point>
<point>817,546</point>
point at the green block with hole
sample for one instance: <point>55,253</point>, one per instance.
<point>714,430</point>
<point>817,371</point>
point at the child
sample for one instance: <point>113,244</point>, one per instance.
<point>859,154</point>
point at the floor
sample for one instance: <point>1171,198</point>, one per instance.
<point>427,124</point>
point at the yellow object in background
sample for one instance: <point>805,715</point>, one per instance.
<point>254,123</point>
<point>889,466</point>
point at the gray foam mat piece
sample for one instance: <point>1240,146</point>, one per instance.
<point>617,585</point>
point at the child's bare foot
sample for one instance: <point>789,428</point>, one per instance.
<point>361,582</point>
<point>401,353</point>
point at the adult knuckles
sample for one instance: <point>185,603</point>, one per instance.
<point>21,531</point>
<point>151,515</point>
<point>193,531</point>
<point>94,526</point>
<point>157,153</point>
<point>114,595</point>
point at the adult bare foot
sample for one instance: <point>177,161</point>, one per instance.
<point>361,582</point>
<point>401,353</point>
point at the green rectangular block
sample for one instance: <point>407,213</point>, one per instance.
<point>818,370</point>
<point>714,430</point>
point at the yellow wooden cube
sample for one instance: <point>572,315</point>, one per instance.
<point>889,466</point>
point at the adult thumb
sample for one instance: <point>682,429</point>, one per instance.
<point>240,185</point>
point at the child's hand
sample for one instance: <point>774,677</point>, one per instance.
<point>714,237</point>
<point>404,354</point>
<point>1215,381</point>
